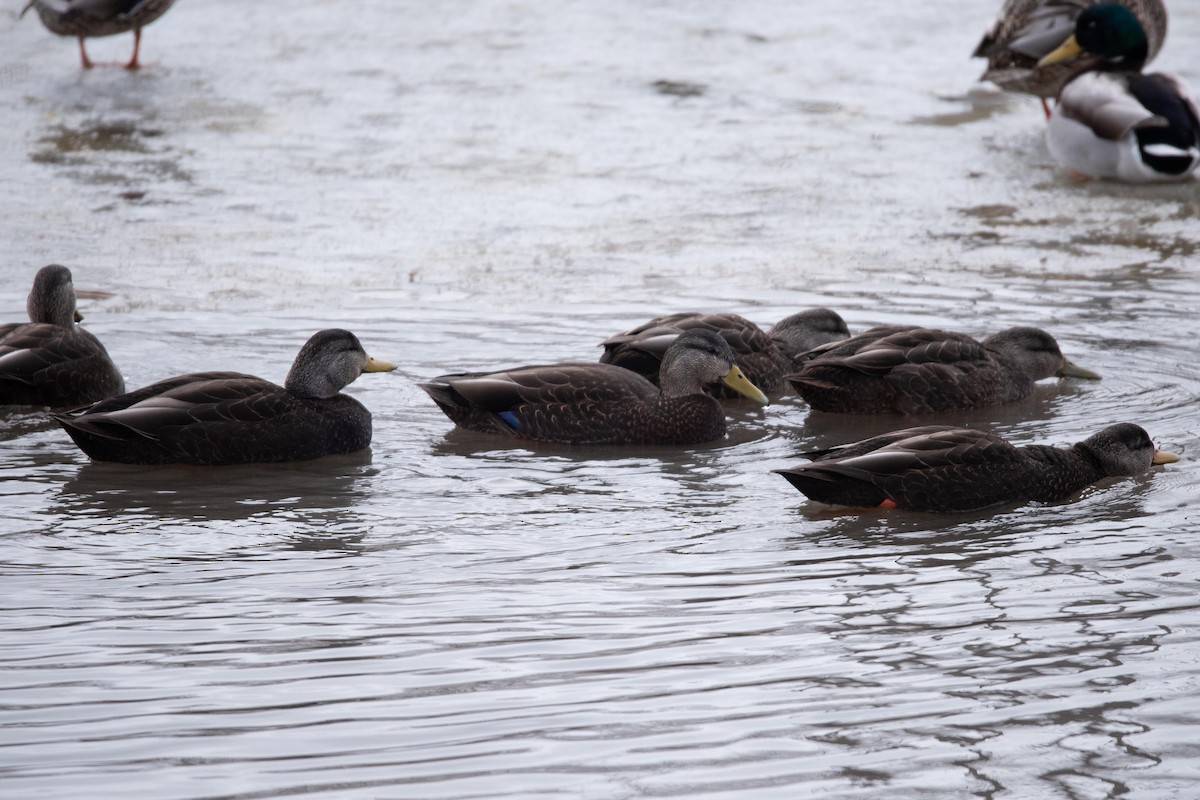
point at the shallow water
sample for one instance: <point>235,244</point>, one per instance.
<point>452,615</point>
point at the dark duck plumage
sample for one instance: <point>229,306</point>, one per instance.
<point>1113,121</point>
<point>211,418</point>
<point>1026,31</point>
<point>50,360</point>
<point>905,370</point>
<point>582,403</point>
<point>85,19</point>
<point>939,468</point>
<point>763,356</point>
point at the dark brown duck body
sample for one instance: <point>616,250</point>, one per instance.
<point>51,361</point>
<point>764,357</point>
<point>907,370</point>
<point>581,403</point>
<point>959,469</point>
<point>216,418</point>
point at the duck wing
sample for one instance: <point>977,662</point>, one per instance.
<point>952,469</point>
<point>45,364</point>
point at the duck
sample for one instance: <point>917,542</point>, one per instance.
<point>949,469</point>
<point>220,418</point>
<point>592,403</point>
<point>1028,30</point>
<point>1113,121</point>
<point>763,356</point>
<point>86,19</point>
<point>50,360</point>
<point>898,369</point>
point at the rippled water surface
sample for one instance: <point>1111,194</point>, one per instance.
<point>453,615</point>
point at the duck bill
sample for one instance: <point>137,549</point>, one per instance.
<point>1065,52</point>
<point>735,380</point>
<point>378,365</point>
<point>78,316</point>
<point>1164,457</point>
<point>1070,370</point>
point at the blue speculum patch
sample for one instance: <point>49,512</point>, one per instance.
<point>509,418</point>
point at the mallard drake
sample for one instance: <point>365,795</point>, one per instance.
<point>1028,30</point>
<point>85,19</point>
<point>938,468</point>
<point>1112,121</point>
<point>582,403</point>
<point>763,356</point>
<point>211,418</point>
<point>51,361</point>
<point>909,370</point>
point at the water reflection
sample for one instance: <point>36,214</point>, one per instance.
<point>323,493</point>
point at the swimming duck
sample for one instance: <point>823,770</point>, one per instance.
<point>909,370</point>
<point>939,468</point>
<point>587,403</point>
<point>1112,121</point>
<point>1028,30</point>
<point>85,19</point>
<point>212,418</point>
<point>51,361</point>
<point>763,356</point>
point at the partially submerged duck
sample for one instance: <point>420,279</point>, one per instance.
<point>938,468</point>
<point>588,403</point>
<point>50,360</point>
<point>1113,121</point>
<point>86,19</point>
<point>763,356</point>
<point>1026,31</point>
<point>213,418</point>
<point>912,370</point>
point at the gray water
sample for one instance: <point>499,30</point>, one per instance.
<point>453,615</point>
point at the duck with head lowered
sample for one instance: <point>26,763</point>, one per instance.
<point>1112,120</point>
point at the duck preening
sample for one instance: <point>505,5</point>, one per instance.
<point>940,468</point>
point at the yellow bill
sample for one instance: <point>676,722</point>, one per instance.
<point>378,365</point>
<point>1065,52</point>
<point>1164,457</point>
<point>735,380</point>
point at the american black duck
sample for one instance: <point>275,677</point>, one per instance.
<point>905,370</point>
<point>1113,121</point>
<point>939,468</point>
<point>1026,31</point>
<point>85,19</point>
<point>50,360</point>
<point>211,418</point>
<point>763,356</point>
<point>587,403</point>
